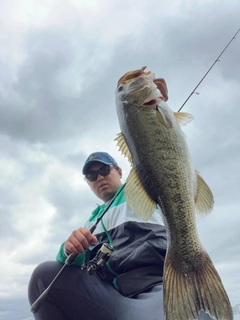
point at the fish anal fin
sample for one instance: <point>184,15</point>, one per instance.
<point>187,293</point>
<point>204,200</point>
<point>137,198</point>
<point>123,147</point>
<point>183,118</point>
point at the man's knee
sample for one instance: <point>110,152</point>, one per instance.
<point>41,277</point>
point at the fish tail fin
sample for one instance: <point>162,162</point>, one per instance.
<point>187,293</point>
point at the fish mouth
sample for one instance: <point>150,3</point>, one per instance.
<point>133,83</point>
<point>151,102</point>
<point>154,98</point>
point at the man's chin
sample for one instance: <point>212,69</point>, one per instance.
<point>106,195</point>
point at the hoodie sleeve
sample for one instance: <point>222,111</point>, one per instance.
<point>61,257</point>
<point>80,260</point>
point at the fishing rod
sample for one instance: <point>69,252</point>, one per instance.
<point>217,60</point>
<point>106,250</point>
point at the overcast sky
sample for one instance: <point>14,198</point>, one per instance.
<point>59,65</point>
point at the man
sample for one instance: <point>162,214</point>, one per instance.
<point>129,285</point>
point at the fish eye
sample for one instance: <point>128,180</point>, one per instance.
<point>120,87</point>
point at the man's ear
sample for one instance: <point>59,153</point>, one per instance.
<point>120,172</point>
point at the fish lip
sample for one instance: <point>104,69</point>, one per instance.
<point>151,102</point>
<point>154,98</point>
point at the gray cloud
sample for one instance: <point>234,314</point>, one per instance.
<point>7,229</point>
<point>10,309</point>
<point>42,111</point>
<point>57,105</point>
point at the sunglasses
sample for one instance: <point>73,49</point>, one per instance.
<point>103,171</point>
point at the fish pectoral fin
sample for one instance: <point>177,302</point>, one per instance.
<point>204,200</point>
<point>123,147</point>
<point>135,194</point>
<point>164,117</point>
<point>183,118</point>
<point>137,198</point>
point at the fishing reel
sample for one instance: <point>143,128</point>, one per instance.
<point>100,259</point>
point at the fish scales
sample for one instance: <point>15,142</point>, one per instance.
<point>158,163</point>
<point>162,173</point>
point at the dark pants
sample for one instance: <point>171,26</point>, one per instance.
<point>78,296</point>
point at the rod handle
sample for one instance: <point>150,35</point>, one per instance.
<point>37,304</point>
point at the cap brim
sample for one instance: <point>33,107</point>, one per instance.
<point>89,163</point>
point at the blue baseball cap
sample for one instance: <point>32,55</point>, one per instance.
<point>102,157</point>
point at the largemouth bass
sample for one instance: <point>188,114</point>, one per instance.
<point>162,173</point>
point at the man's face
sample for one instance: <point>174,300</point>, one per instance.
<point>105,187</point>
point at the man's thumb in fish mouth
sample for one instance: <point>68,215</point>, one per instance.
<point>162,86</point>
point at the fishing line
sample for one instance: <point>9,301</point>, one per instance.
<point>217,60</point>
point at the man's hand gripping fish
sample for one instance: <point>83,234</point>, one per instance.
<point>162,173</point>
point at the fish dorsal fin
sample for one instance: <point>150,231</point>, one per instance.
<point>137,198</point>
<point>204,200</point>
<point>123,147</point>
<point>183,118</point>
